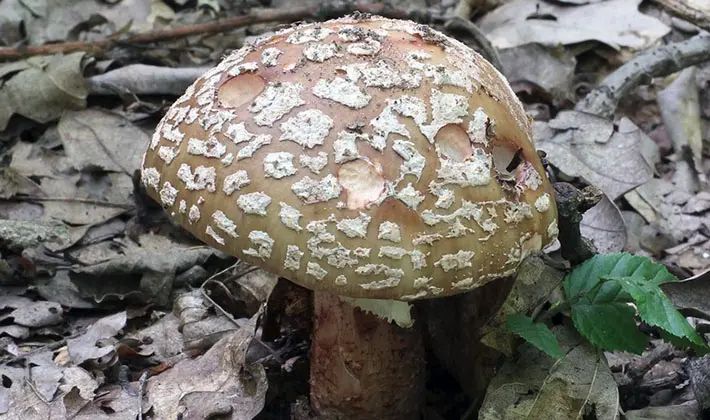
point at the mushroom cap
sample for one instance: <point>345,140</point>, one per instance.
<point>365,156</point>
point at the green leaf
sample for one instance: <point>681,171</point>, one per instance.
<point>608,324</point>
<point>657,310</point>
<point>535,333</point>
<point>592,272</point>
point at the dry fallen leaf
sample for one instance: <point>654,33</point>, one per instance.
<point>604,225</point>
<point>535,386</point>
<point>45,89</point>
<point>85,347</point>
<point>586,146</point>
<point>617,23</point>
<point>143,79</point>
<point>218,382</point>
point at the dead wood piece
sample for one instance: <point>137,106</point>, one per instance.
<point>699,371</point>
<point>656,62</point>
<point>262,16</point>
<point>571,205</point>
<point>694,12</point>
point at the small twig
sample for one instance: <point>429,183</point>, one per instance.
<point>479,37</point>
<point>261,16</point>
<point>51,347</point>
<point>141,390</point>
<point>74,200</point>
<point>655,62</point>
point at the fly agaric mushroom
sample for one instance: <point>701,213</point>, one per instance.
<point>362,157</point>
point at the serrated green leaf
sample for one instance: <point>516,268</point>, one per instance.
<point>609,325</point>
<point>657,310</point>
<point>535,333</point>
<point>590,273</point>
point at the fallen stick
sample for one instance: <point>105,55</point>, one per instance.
<point>655,62</point>
<point>261,16</point>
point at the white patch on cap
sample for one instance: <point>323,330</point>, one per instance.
<point>279,165</point>
<point>315,270</point>
<point>393,276</point>
<point>182,207</point>
<point>316,191</point>
<point>341,280</point>
<point>445,75</point>
<point>301,36</point>
<point>413,163</point>
<point>225,224</point>
<point>212,147</point>
<point>307,128</point>
<point>466,284</point>
<point>203,178</point>
<point>418,259</point>
<point>445,199</point>
<point>473,172</point>
<point>342,91</point>
<point>276,101</point>
<point>227,159</point>
<point>320,52</point>
<point>552,229</point>
<point>238,133</point>
<point>150,177</point>
<point>531,178</point>
<point>345,148</point>
<point>314,163</point>
<point>516,212</point>
<point>427,239</point>
<point>238,69</point>
<point>410,196</point>
<point>168,153</point>
<point>168,194</point>
<point>542,204</point>
<point>369,47</point>
<point>389,231</point>
<point>290,217</point>
<point>457,261</point>
<point>194,214</point>
<point>250,148</point>
<point>387,76</point>
<point>356,227</point>
<point>235,181</point>
<point>172,134</point>
<point>293,258</point>
<point>446,108</point>
<point>388,122</point>
<point>478,127</point>
<point>269,57</point>
<point>262,245</point>
<point>214,235</point>
<point>414,59</point>
<point>393,252</point>
<point>254,203</point>
<point>362,252</point>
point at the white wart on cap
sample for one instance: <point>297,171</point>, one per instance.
<point>370,157</point>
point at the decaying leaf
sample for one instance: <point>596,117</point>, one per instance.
<point>535,386</point>
<point>604,225</point>
<point>85,347</point>
<point>143,79</point>
<point>587,146</point>
<point>218,382</point>
<point>45,89</point>
<point>617,23</point>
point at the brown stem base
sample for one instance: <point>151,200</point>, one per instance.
<point>363,367</point>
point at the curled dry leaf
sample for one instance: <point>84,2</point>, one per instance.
<point>552,71</point>
<point>535,386</point>
<point>617,23</point>
<point>604,225</point>
<point>85,347</point>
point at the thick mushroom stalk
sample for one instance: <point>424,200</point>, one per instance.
<point>363,157</point>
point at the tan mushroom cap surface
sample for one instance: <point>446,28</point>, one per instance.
<point>369,157</point>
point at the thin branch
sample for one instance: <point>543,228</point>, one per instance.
<point>655,62</point>
<point>261,16</point>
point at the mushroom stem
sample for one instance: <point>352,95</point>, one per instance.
<point>364,367</point>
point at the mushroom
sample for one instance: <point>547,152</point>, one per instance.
<point>371,160</point>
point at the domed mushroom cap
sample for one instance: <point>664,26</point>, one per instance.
<point>365,156</point>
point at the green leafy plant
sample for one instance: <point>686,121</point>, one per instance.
<point>604,296</point>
